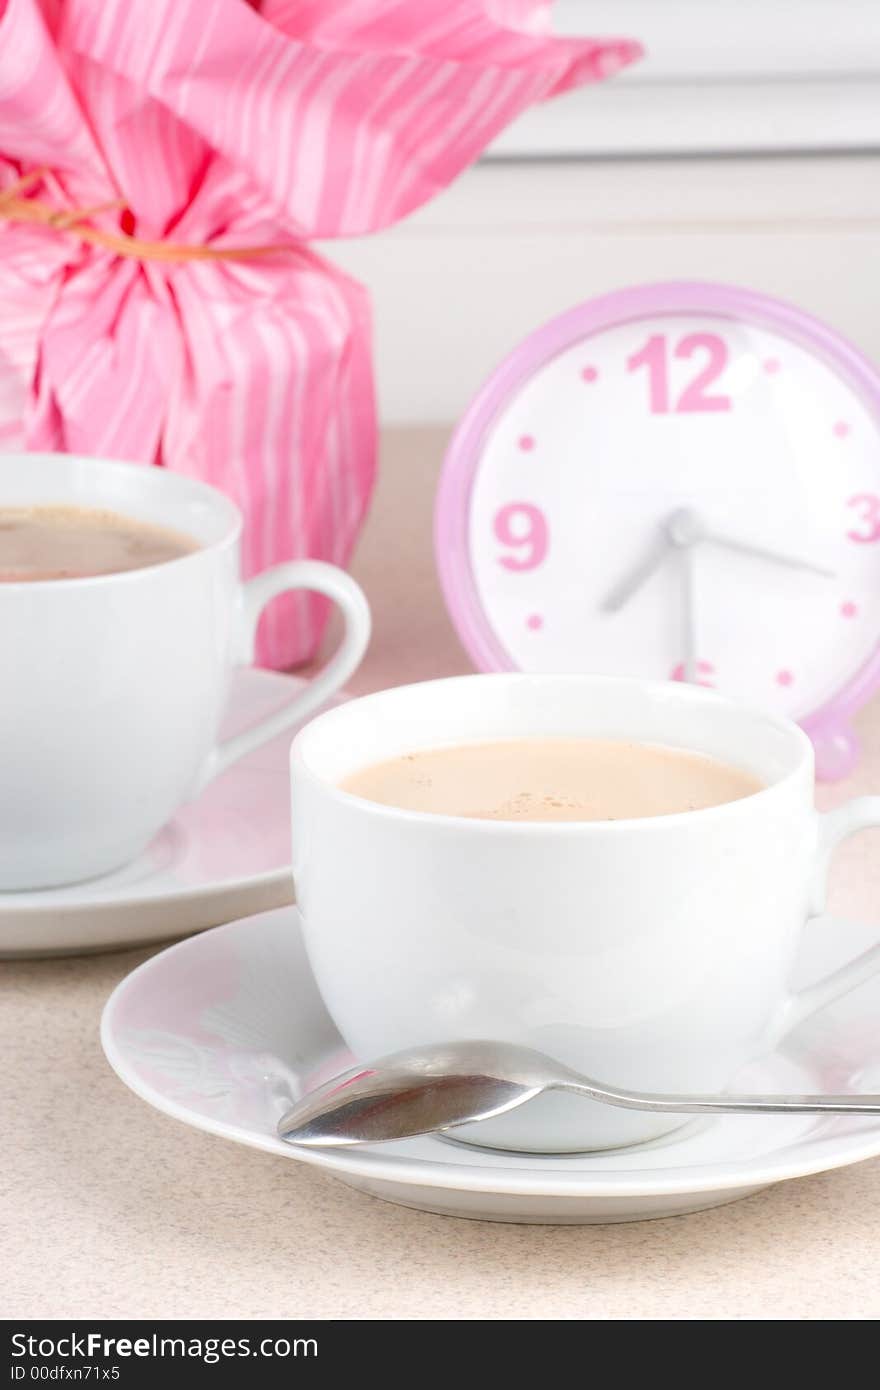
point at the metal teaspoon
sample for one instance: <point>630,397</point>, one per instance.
<point>426,1089</point>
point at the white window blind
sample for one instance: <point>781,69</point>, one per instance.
<point>718,76</point>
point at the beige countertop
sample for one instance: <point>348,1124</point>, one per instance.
<point>109,1209</point>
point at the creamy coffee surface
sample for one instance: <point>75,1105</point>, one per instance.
<point>58,542</point>
<point>552,779</point>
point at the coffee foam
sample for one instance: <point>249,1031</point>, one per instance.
<point>552,779</point>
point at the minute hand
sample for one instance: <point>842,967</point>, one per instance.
<point>779,557</point>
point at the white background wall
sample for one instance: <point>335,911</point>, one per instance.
<point>745,148</point>
<point>718,75</point>
<point>458,284</point>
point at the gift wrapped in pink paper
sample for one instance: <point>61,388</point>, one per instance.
<point>163,165</point>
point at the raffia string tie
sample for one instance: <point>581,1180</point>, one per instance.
<point>15,207</point>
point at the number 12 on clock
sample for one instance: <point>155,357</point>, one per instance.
<point>709,353</point>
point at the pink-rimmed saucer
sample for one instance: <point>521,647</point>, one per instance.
<point>224,1031</point>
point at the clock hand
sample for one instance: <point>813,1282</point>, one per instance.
<point>764,553</point>
<point>681,529</point>
<point>684,527</point>
<point>635,578</point>
<point>689,612</point>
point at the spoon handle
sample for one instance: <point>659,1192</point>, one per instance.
<point>742,1105</point>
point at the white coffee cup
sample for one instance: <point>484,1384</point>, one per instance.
<point>652,953</point>
<point>113,687</point>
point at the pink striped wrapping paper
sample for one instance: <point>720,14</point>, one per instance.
<point>223,122</point>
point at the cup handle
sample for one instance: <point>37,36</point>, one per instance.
<point>256,593</point>
<point>834,826</point>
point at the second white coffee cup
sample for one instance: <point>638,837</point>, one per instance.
<point>113,687</point>
<point>654,953</point>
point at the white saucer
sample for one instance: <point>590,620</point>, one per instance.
<point>225,1030</point>
<point>223,856</point>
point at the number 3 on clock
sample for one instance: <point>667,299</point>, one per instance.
<point>655,356</point>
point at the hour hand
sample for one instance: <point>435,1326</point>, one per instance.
<point>680,530</point>
<point>633,580</point>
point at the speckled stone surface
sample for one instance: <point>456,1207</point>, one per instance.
<point>108,1209</point>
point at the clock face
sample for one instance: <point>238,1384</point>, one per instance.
<point>680,495</point>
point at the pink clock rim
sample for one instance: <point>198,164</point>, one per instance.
<point>590,317</point>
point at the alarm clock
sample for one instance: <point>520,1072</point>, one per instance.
<point>678,481</point>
